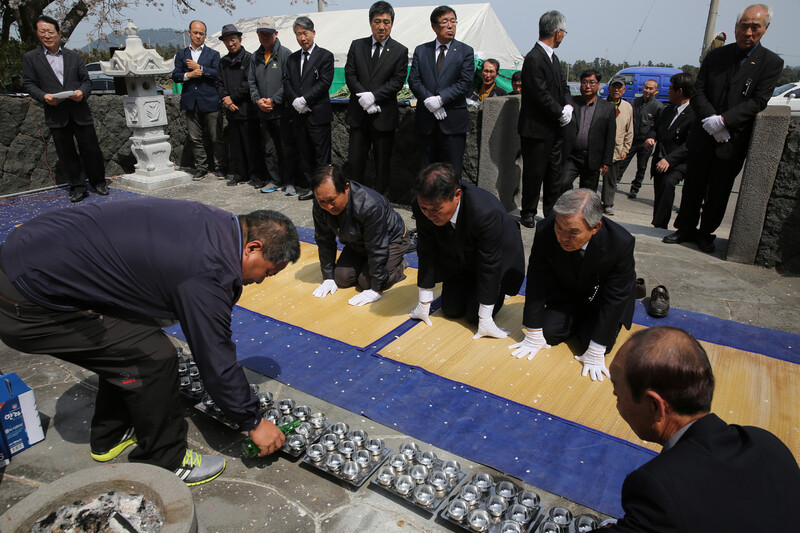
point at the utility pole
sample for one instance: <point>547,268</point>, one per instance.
<point>713,9</point>
<point>320,3</point>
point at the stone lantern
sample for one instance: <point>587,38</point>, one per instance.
<point>145,113</point>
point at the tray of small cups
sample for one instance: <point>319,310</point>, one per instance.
<point>419,477</point>
<point>349,455</point>
<point>313,426</point>
<point>560,520</point>
<point>484,504</point>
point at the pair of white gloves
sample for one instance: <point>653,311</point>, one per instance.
<point>435,105</point>
<point>363,298</point>
<point>593,359</point>
<point>299,104</point>
<point>566,115</point>
<point>367,102</point>
<point>715,126</point>
<point>486,325</point>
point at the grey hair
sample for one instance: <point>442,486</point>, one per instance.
<point>304,22</point>
<point>551,22</point>
<point>767,18</point>
<point>585,202</point>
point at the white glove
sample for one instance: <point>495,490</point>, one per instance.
<point>374,109</point>
<point>487,328</point>
<point>530,345</point>
<point>594,362</point>
<point>325,288</point>
<point>366,100</point>
<point>365,297</point>
<point>299,104</point>
<point>422,312</point>
<point>713,124</point>
<point>432,103</point>
<point>440,114</point>
<point>566,115</point>
<point>722,136</point>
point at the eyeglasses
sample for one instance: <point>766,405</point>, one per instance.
<point>445,23</point>
<point>565,31</point>
<point>48,33</point>
<point>591,83</point>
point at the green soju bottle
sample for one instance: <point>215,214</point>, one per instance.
<point>250,449</point>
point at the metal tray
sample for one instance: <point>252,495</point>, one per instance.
<point>216,415</point>
<point>314,437</point>
<point>361,477</point>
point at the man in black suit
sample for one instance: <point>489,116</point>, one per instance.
<point>47,71</point>
<point>545,109</point>
<point>669,138</point>
<point>197,67</point>
<point>707,469</point>
<point>581,280</point>
<point>733,85</point>
<point>471,244</point>
<point>308,78</point>
<point>591,135</point>
<point>441,78</point>
<point>375,71</point>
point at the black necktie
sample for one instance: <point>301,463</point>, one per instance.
<point>738,59</point>
<point>375,56</point>
<point>440,59</point>
<point>305,62</point>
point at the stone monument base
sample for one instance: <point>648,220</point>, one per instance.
<point>151,181</point>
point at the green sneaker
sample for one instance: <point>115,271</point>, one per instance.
<point>128,439</point>
<point>197,469</point>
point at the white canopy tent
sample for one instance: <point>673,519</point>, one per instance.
<point>478,26</point>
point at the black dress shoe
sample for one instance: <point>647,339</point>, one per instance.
<point>101,188</point>
<point>78,195</point>
<point>641,288</point>
<point>528,221</point>
<point>305,194</point>
<point>199,174</point>
<point>678,237</point>
<point>633,194</point>
<point>706,243</point>
<point>659,302</point>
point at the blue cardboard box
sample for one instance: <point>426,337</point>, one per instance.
<point>21,427</point>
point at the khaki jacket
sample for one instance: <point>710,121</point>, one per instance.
<point>624,137</point>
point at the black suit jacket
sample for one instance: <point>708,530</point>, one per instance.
<point>737,97</point>
<point>544,94</point>
<point>203,90</point>
<point>387,80</point>
<point>605,276</point>
<point>486,241</point>
<point>602,133</point>
<point>717,478</point>
<point>38,79</point>
<point>671,138</point>
<point>453,84</point>
<point>313,85</point>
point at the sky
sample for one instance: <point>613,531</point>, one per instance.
<point>669,31</point>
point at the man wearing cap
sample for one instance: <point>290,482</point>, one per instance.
<point>622,142</point>
<point>646,110</point>
<point>234,91</point>
<point>375,71</point>
<point>197,68</point>
<point>308,78</point>
<point>267,70</point>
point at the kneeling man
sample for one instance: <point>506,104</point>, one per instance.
<point>373,234</point>
<point>581,280</point>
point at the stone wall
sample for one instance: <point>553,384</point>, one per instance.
<point>26,149</point>
<point>779,247</point>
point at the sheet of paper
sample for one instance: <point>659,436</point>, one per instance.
<point>64,94</point>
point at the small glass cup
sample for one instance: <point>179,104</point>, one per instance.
<point>340,429</point>
<point>559,515</point>
<point>519,513</point>
<point>510,526</point>
<point>316,452</point>
<point>301,412</point>
<point>317,420</point>
<point>404,484</point>
<point>479,520</point>
<point>424,495</point>
<point>398,462</point>
<point>409,449</point>
<point>350,470</point>
<point>438,480</point>
<point>347,448</point>
<point>451,468</point>
<point>363,458</point>
<point>470,493</point>
<point>385,475</point>
<point>506,489</point>
<point>483,481</point>
<point>426,458</point>
<point>329,441</point>
<point>334,462</point>
<point>458,509</point>
<point>496,505</point>
<point>585,522</point>
<point>286,405</point>
<point>296,442</point>
<point>528,498</point>
<point>359,436</point>
<point>419,473</point>
<point>375,446</point>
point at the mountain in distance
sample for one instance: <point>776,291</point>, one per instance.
<point>151,38</point>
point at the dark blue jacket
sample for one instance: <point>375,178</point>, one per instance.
<point>203,90</point>
<point>149,258</point>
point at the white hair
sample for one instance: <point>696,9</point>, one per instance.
<point>767,18</point>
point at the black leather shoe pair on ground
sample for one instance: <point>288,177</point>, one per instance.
<point>658,306</point>
<point>704,242</point>
<point>78,195</point>
<point>528,221</point>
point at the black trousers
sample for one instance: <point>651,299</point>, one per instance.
<point>135,361</point>
<point>244,149</point>
<point>541,166</point>
<point>90,159</point>
<point>352,267</point>
<point>609,190</point>
<point>460,297</point>
<point>708,185</point>
<point>576,167</point>
<point>642,155</point>
<point>566,318</point>
<point>438,147</point>
<point>664,188</point>
<point>277,152</point>
<point>314,148</point>
<point>198,124</point>
<point>361,138</point>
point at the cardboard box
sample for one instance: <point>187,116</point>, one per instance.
<point>21,427</point>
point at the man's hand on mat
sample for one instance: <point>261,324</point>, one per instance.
<point>366,297</point>
<point>267,437</point>
<point>422,312</point>
<point>594,362</point>
<point>530,345</point>
<point>325,288</point>
<point>487,328</point>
